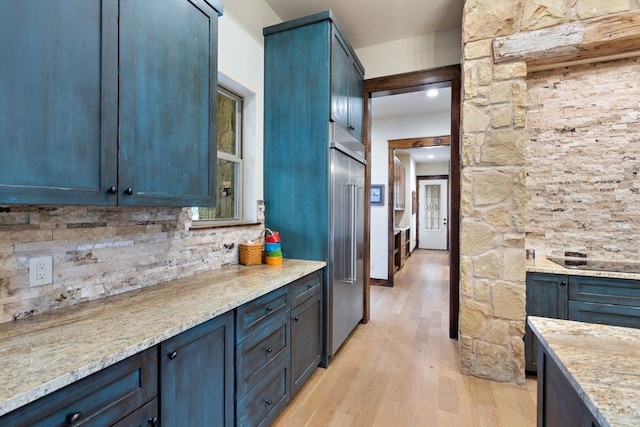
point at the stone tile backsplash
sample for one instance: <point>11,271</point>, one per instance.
<point>583,160</point>
<point>102,251</point>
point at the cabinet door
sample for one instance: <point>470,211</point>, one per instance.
<point>58,102</point>
<point>356,102</point>
<point>547,296</point>
<point>340,74</point>
<point>196,376</point>
<point>306,341</point>
<point>167,116</point>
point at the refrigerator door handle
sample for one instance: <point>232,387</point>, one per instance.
<point>353,208</point>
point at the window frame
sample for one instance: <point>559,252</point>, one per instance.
<point>238,159</point>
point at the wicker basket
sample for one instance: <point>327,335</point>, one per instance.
<point>250,253</point>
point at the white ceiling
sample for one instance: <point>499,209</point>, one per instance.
<point>410,104</point>
<point>370,22</point>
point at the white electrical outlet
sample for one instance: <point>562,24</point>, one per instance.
<point>41,271</point>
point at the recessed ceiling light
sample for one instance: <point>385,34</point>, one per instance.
<point>430,156</point>
<point>432,93</point>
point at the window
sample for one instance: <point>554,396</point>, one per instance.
<point>229,167</point>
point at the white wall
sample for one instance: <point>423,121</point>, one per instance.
<point>412,54</point>
<point>382,130</point>
<point>435,168</point>
<point>241,69</point>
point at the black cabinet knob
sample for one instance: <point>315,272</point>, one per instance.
<point>128,191</point>
<point>112,190</point>
<point>172,355</point>
<point>268,349</point>
<point>295,319</point>
<point>269,308</point>
<point>309,285</point>
<point>153,421</point>
<point>268,402</point>
<point>563,283</point>
<point>73,417</point>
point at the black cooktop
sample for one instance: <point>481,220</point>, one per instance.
<point>596,265</point>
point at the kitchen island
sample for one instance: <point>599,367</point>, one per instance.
<point>49,351</point>
<point>588,374</point>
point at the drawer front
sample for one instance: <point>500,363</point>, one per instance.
<point>260,352</point>
<point>604,290</point>
<point>606,314</point>
<point>263,402</point>
<point>147,416</point>
<point>100,399</point>
<point>304,288</point>
<point>255,314</point>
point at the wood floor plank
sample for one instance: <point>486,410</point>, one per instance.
<point>401,369</point>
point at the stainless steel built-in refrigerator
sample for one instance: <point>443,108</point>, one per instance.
<point>345,291</point>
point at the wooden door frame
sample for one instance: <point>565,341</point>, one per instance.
<point>449,76</point>
<point>428,178</point>
<point>435,141</point>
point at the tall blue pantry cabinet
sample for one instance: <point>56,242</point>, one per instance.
<point>312,78</point>
<point>108,102</point>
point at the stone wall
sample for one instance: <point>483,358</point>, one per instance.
<point>583,160</point>
<point>494,138</point>
<point>101,251</point>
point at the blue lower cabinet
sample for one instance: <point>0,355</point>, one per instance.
<point>102,399</point>
<point>196,376</point>
<point>605,300</point>
<point>260,406</point>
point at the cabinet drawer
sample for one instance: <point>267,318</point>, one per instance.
<point>603,290</point>
<point>100,399</point>
<point>255,314</point>
<point>306,287</point>
<point>260,352</point>
<point>147,416</point>
<point>606,314</point>
<point>263,402</point>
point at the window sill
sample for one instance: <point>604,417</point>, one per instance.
<point>206,225</point>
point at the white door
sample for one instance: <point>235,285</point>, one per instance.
<point>433,204</point>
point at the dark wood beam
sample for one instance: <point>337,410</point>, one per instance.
<point>432,141</point>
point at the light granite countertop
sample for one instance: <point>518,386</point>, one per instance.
<point>543,265</point>
<point>43,353</point>
<point>601,362</point>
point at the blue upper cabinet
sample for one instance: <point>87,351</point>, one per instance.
<point>347,86</point>
<point>108,102</point>
<point>57,134</point>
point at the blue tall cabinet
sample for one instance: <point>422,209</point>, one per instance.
<point>312,78</point>
<point>108,102</point>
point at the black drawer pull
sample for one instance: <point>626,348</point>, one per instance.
<point>112,190</point>
<point>309,285</point>
<point>268,402</point>
<point>563,283</point>
<point>73,417</point>
<point>153,421</point>
<point>269,308</point>
<point>268,350</point>
<point>128,191</point>
<point>172,355</point>
<point>295,319</point>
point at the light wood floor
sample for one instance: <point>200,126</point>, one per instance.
<point>401,369</point>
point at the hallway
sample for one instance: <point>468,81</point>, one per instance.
<point>401,369</point>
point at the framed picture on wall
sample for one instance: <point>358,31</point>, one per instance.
<point>377,195</point>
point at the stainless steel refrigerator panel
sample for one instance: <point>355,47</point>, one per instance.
<point>345,287</point>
